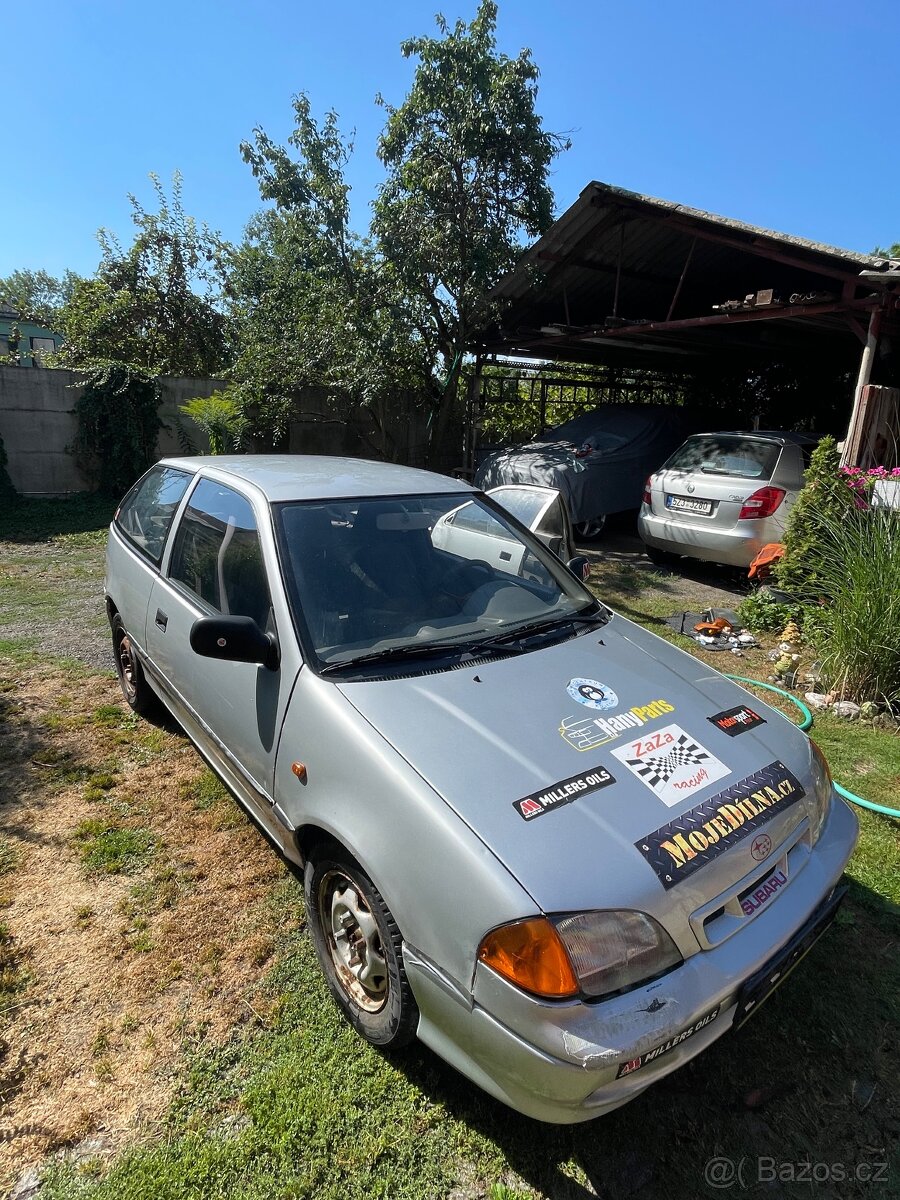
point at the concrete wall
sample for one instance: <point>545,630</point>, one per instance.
<point>38,427</point>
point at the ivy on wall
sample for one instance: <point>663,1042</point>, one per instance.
<point>118,424</point>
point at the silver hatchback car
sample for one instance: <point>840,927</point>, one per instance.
<point>721,497</point>
<point>563,853</point>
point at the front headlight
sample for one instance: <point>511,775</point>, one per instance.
<point>614,951</point>
<point>590,954</point>
<point>820,800</point>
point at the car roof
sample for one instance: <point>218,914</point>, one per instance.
<point>320,477</point>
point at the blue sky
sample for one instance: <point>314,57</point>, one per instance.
<point>783,113</point>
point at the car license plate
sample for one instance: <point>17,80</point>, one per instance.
<point>760,986</point>
<point>702,508</point>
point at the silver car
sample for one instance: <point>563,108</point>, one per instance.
<point>563,853</point>
<point>721,497</point>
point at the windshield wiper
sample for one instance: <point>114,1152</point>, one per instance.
<point>417,650</point>
<point>498,643</point>
<point>599,615</point>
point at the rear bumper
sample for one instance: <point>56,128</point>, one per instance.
<point>697,538</point>
<point>561,1062</point>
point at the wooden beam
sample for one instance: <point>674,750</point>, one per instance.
<point>774,313</point>
<point>759,246</point>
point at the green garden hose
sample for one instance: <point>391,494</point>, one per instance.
<point>805,725</point>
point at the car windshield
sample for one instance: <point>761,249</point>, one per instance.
<point>394,577</point>
<point>726,454</point>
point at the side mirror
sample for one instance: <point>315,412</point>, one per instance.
<point>234,639</point>
<point>580,566</point>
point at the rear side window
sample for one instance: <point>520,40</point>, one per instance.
<point>217,553</point>
<point>726,454</point>
<point>145,515</point>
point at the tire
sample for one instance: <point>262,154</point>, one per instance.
<point>359,948</point>
<point>661,558</point>
<point>590,531</point>
<point>139,696</point>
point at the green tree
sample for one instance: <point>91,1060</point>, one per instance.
<point>467,162</point>
<point>312,302</point>
<point>154,306</point>
<point>38,296</point>
<point>893,252</point>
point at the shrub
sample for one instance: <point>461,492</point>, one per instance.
<point>220,418</point>
<point>825,492</point>
<point>857,632</point>
<point>762,613</point>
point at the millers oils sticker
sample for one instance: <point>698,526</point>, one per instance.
<point>562,793</point>
<point>698,836</point>
<point>658,1051</point>
<point>587,733</point>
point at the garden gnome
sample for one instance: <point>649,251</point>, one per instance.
<point>786,666</point>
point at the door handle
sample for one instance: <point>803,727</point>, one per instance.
<point>161,619</point>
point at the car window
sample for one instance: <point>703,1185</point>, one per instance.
<point>523,503</point>
<point>217,553</point>
<point>146,513</point>
<point>726,454</point>
<point>413,570</point>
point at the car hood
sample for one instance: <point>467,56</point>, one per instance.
<point>550,793</point>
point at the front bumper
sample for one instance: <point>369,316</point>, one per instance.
<point>564,1062</point>
<point>699,538</point>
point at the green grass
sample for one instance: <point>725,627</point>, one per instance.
<point>108,849</point>
<point>13,979</point>
<point>77,521</point>
<point>295,1105</point>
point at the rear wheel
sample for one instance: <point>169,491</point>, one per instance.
<point>138,694</point>
<point>359,948</point>
<point>661,558</point>
<point>590,531</point>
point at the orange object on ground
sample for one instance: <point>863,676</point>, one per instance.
<point>720,625</point>
<point>761,567</point>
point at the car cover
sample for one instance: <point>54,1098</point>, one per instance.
<point>600,460</point>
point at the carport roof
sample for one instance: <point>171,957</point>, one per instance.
<point>622,278</point>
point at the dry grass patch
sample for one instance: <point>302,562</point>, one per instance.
<point>134,913</point>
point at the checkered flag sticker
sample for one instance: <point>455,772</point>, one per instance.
<point>671,763</point>
<point>658,769</point>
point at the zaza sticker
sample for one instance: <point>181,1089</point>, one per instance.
<point>671,764</point>
<point>592,693</point>
<point>562,793</point>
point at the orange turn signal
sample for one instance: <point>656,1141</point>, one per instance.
<point>531,955</point>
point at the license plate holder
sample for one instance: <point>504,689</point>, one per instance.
<point>760,986</point>
<point>700,508</point>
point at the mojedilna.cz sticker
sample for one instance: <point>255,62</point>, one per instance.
<point>700,835</point>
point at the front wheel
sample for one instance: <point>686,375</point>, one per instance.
<point>590,531</point>
<point>138,694</point>
<point>359,948</point>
